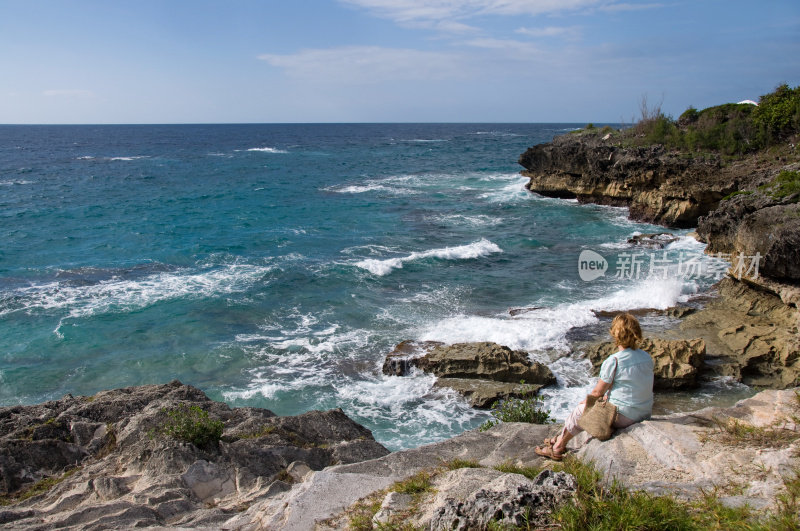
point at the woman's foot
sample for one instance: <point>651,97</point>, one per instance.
<point>549,451</point>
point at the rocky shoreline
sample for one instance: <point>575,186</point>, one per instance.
<point>111,467</point>
<point>166,456</point>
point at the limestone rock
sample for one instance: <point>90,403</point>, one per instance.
<point>508,499</point>
<point>487,361</point>
<point>483,372</point>
<point>654,241</point>
<point>755,223</point>
<point>482,394</point>
<point>676,363</point>
<point>392,506</point>
<point>685,454</point>
<point>658,186</point>
<point>752,334</point>
<point>126,474</point>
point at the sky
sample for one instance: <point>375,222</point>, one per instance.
<point>285,61</point>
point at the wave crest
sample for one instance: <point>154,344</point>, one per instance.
<point>482,247</point>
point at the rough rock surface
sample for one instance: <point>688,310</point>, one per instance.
<point>127,474</point>
<point>483,372</point>
<point>677,363</point>
<point>752,334</point>
<point>755,223</point>
<point>687,453</point>
<point>678,454</point>
<point>659,186</point>
<point>471,498</point>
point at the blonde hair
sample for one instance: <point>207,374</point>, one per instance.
<point>626,331</point>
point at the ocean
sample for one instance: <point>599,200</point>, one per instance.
<point>276,265</point>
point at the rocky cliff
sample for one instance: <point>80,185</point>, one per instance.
<point>747,210</point>
<point>660,186</point>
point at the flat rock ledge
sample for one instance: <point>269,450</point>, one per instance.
<point>482,372</point>
<point>681,454</point>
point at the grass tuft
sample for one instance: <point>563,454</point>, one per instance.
<point>518,410</point>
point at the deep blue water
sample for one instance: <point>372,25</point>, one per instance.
<point>276,265</point>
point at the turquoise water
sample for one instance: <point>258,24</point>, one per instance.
<point>276,265</point>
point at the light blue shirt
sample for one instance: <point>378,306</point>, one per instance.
<point>632,385</point>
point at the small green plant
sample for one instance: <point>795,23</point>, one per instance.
<point>734,432</point>
<point>518,410</point>
<point>418,483</point>
<point>40,487</point>
<point>192,424</point>
<point>737,192</point>
<point>787,183</point>
<point>455,464</point>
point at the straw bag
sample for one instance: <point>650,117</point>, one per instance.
<point>599,415</point>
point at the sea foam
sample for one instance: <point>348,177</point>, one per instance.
<point>482,247</point>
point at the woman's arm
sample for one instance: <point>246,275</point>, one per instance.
<point>600,389</point>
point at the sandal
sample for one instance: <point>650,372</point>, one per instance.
<point>548,452</point>
<point>550,441</point>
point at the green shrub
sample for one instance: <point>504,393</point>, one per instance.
<point>689,116</point>
<point>192,424</point>
<point>730,129</point>
<point>518,410</point>
<point>778,114</point>
<point>785,184</point>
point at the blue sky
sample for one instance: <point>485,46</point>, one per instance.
<point>145,61</point>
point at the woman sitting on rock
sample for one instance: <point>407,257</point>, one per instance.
<point>627,377</point>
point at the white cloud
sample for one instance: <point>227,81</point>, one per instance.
<point>405,11</point>
<point>551,31</point>
<point>629,7</point>
<point>69,93</point>
<point>524,49</point>
<point>365,64</point>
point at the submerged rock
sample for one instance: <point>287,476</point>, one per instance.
<point>655,241</point>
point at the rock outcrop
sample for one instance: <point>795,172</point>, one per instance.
<point>677,363</point>
<point>686,454</point>
<point>752,333</point>
<point>123,471</point>
<point>659,186</point>
<point>472,498</point>
<point>483,372</point>
<point>682,454</point>
<point>756,224</point>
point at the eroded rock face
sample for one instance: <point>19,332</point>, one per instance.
<point>130,475</point>
<point>659,186</point>
<point>752,333</point>
<point>483,372</point>
<point>754,223</point>
<point>677,363</point>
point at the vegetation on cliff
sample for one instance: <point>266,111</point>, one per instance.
<point>730,129</point>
